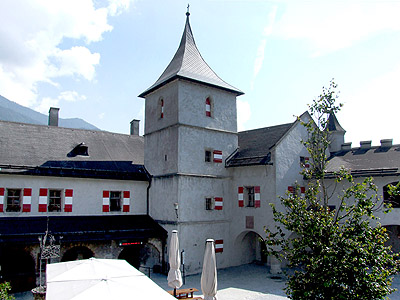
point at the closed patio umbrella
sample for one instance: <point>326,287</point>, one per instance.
<point>174,275</point>
<point>209,273</point>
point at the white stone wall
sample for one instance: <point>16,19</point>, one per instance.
<point>243,244</point>
<point>169,93</point>
<point>87,194</point>
<point>192,107</point>
<point>287,159</point>
<point>163,156</point>
<point>392,218</point>
<point>192,145</point>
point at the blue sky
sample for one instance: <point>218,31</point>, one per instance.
<point>93,58</point>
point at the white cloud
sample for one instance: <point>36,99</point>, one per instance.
<point>332,25</point>
<point>31,35</point>
<point>258,62</point>
<point>47,102</point>
<point>71,96</point>
<point>243,113</point>
<point>75,61</point>
<point>116,7</point>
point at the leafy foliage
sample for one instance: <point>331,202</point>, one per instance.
<point>5,287</point>
<point>336,253</point>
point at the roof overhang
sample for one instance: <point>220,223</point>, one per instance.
<point>26,230</point>
<point>156,87</point>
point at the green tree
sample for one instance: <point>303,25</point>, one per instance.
<point>5,287</point>
<point>333,253</point>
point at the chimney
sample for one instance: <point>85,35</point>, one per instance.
<point>365,144</point>
<point>346,147</point>
<point>53,116</point>
<point>387,143</point>
<point>135,127</point>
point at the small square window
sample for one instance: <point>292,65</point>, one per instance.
<point>209,204</point>
<point>207,157</point>
<point>304,162</point>
<point>54,200</point>
<point>115,201</point>
<point>13,200</point>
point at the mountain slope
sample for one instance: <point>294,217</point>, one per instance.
<point>13,112</point>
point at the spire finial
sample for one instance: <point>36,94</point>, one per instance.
<point>188,13</point>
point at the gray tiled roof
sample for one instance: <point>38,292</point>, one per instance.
<point>255,145</point>
<point>375,161</point>
<point>189,64</point>
<point>50,148</point>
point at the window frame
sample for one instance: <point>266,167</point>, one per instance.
<point>14,197</point>
<point>395,201</point>
<point>209,203</point>
<point>50,199</point>
<point>209,102</point>
<point>161,104</point>
<point>208,156</point>
<point>250,196</point>
<point>304,162</point>
<point>112,198</point>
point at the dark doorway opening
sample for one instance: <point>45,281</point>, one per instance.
<point>77,253</point>
<point>18,267</point>
<point>132,254</point>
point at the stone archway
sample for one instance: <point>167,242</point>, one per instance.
<point>249,248</point>
<point>18,267</point>
<point>77,253</point>
<point>132,254</point>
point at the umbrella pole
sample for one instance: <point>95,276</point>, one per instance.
<point>175,292</point>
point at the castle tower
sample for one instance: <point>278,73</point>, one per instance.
<point>336,133</point>
<point>190,129</point>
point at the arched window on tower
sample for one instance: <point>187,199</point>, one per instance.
<point>392,199</point>
<point>208,107</point>
<point>161,108</point>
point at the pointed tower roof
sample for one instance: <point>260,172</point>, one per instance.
<point>190,65</point>
<point>333,123</point>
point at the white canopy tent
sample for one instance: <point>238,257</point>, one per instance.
<point>100,279</point>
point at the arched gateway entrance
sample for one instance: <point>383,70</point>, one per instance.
<point>249,248</point>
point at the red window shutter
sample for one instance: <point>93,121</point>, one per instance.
<point>106,201</point>
<point>303,191</point>
<point>2,199</point>
<point>218,203</point>
<point>307,164</point>
<point>27,200</point>
<point>257,198</point>
<point>240,196</point>
<point>42,200</point>
<point>219,246</point>
<point>126,200</point>
<point>217,156</point>
<point>291,189</point>
<point>68,200</point>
